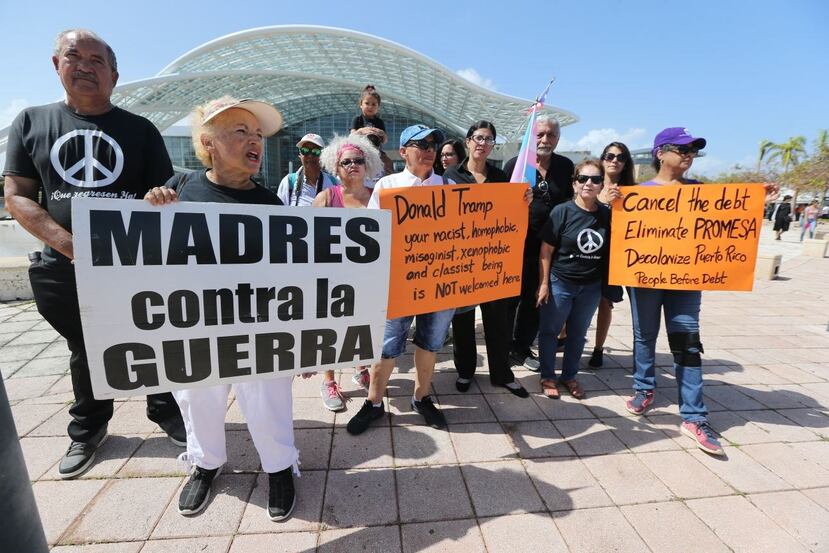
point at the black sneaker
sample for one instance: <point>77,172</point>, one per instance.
<point>432,414</point>
<point>281,495</point>
<point>175,430</point>
<point>361,421</point>
<point>80,455</point>
<point>196,491</point>
<point>597,359</point>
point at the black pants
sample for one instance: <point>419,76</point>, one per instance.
<point>57,301</point>
<point>522,311</point>
<point>497,327</point>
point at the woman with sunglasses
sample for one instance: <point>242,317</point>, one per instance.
<point>572,265</point>
<point>674,150</point>
<point>618,171</point>
<point>449,153</point>
<point>352,159</point>
<point>300,188</point>
<point>480,139</point>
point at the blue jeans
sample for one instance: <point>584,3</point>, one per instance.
<point>573,303</point>
<point>681,309</point>
<point>429,335</point>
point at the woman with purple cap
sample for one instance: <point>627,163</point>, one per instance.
<point>674,150</point>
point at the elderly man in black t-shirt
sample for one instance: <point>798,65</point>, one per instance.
<point>82,146</point>
<point>552,187</point>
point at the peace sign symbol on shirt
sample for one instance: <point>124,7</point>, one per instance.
<point>82,172</point>
<point>589,240</point>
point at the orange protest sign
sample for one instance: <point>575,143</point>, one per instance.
<point>454,245</point>
<point>686,237</point>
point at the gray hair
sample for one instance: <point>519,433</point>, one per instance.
<point>86,33</point>
<point>329,157</point>
<point>548,119</point>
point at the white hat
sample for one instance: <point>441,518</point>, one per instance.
<point>268,116</point>
<point>313,139</point>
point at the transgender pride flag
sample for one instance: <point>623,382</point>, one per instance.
<point>525,166</point>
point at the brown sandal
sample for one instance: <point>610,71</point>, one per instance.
<point>550,389</point>
<point>574,388</point>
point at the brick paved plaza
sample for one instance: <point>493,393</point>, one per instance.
<point>510,475</point>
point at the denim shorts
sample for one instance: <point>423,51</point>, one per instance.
<point>429,335</point>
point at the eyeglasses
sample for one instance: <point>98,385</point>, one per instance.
<point>448,154</point>
<point>421,144</point>
<point>479,139</point>
<point>595,179</point>
<point>356,161</point>
<point>310,151</point>
<point>621,158</point>
<point>681,149</point>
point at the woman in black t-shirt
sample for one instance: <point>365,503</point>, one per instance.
<point>572,264</point>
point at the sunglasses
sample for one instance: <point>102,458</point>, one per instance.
<point>421,144</point>
<point>310,151</point>
<point>478,139</point>
<point>681,149</point>
<point>356,161</point>
<point>595,179</point>
<point>621,158</point>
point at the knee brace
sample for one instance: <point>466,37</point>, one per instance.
<point>686,348</point>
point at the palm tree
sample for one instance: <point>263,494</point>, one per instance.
<point>765,147</point>
<point>822,142</point>
<point>789,153</point>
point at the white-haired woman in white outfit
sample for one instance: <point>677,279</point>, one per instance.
<point>228,136</point>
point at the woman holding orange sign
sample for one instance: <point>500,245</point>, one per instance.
<point>480,139</point>
<point>618,171</point>
<point>674,150</point>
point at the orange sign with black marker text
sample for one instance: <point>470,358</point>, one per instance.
<point>454,245</point>
<point>686,237</point>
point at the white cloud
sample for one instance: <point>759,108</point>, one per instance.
<point>10,111</point>
<point>596,139</point>
<point>474,77</point>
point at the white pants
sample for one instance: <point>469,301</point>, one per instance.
<point>268,410</point>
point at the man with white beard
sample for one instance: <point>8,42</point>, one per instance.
<point>552,186</point>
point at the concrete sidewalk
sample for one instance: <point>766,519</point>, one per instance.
<point>509,475</point>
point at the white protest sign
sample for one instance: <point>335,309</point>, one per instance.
<point>196,294</point>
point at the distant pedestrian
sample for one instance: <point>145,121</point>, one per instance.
<point>808,220</point>
<point>783,217</point>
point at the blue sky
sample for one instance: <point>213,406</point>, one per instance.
<point>734,72</point>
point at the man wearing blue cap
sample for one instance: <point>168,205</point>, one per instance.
<point>417,148</point>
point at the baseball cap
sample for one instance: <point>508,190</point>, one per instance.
<point>416,132</point>
<point>268,116</point>
<point>677,135</point>
<point>313,139</point>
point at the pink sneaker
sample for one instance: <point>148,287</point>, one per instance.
<point>640,402</point>
<point>332,397</point>
<point>362,379</point>
<point>703,434</point>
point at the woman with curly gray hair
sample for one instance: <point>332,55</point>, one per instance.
<point>351,159</point>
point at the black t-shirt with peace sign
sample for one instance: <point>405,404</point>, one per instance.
<point>113,155</point>
<point>581,241</point>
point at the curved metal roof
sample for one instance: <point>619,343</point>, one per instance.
<point>309,71</point>
<point>296,67</point>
